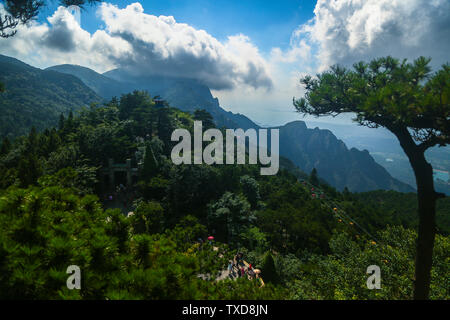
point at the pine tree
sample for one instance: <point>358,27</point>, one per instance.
<point>70,123</point>
<point>269,273</point>
<point>313,178</point>
<point>250,188</point>
<point>165,128</point>
<point>205,117</point>
<point>29,170</point>
<point>150,168</point>
<point>409,101</point>
<point>6,146</point>
<point>32,142</point>
<point>61,122</point>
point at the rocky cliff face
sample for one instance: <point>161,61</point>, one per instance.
<point>306,148</point>
<point>185,94</point>
<point>341,167</point>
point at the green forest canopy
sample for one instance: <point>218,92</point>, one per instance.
<point>52,215</point>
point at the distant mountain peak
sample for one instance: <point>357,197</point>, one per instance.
<point>307,148</point>
<point>36,97</point>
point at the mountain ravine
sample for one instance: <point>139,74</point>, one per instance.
<point>307,148</point>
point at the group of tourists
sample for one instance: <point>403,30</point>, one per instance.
<point>239,268</point>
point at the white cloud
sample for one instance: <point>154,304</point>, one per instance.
<point>142,42</point>
<point>346,31</point>
<point>341,31</point>
<point>163,46</point>
<point>64,41</point>
<point>299,50</point>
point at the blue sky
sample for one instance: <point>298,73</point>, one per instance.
<point>267,23</point>
<point>250,53</point>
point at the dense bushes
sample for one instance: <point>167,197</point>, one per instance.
<point>50,218</point>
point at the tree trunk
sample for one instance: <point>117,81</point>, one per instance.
<point>426,197</point>
<point>427,229</point>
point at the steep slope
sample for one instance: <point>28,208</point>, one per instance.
<point>36,97</point>
<point>102,85</point>
<point>341,167</point>
<point>306,148</point>
<point>186,94</point>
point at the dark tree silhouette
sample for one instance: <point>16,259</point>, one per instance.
<point>313,178</point>
<point>269,271</point>
<point>409,101</point>
<point>150,168</point>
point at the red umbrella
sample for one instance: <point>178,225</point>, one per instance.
<point>210,238</point>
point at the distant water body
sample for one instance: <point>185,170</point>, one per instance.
<point>441,175</point>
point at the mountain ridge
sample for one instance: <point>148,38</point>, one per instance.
<point>36,97</point>
<point>306,148</point>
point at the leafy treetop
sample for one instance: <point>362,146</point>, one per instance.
<point>388,93</point>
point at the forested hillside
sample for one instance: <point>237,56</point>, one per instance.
<point>35,97</point>
<point>105,87</point>
<point>340,166</point>
<point>306,148</point>
<point>309,240</point>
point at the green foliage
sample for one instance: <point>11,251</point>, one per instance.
<point>410,102</point>
<point>342,274</point>
<point>165,127</point>
<point>82,179</point>
<point>187,231</point>
<point>269,272</point>
<point>155,189</point>
<point>205,117</point>
<point>313,178</point>
<point>385,92</point>
<point>155,253</point>
<point>250,188</point>
<point>29,169</point>
<point>44,230</point>
<point>399,209</point>
<point>37,97</point>
<point>150,164</point>
<point>288,268</point>
<point>230,216</point>
<point>148,218</point>
<point>6,146</point>
<point>253,239</point>
<point>293,220</point>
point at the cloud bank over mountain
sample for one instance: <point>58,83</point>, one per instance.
<point>143,43</point>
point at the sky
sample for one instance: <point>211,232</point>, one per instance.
<point>250,53</point>
<point>268,25</point>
